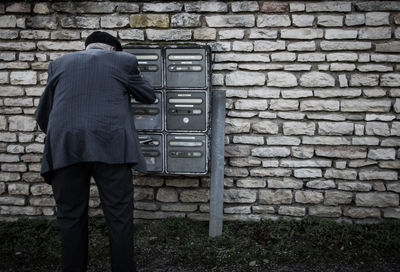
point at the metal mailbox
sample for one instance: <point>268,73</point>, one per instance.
<point>152,146</point>
<point>174,131</point>
<point>150,63</point>
<point>186,111</point>
<point>186,68</point>
<point>186,154</point>
<point>148,116</point>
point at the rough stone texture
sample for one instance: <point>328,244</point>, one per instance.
<point>337,197</point>
<point>311,114</point>
<point>80,22</point>
<point>329,6</point>
<point>280,196</point>
<point>298,128</point>
<point>281,79</point>
<point>149,20</point>
<point>323,211</point>
<point>240,78</point>
<point>185,20</point>
<point>168,34</point>
<point>230,21</point>
<point>302,34</point>
<point>308,197</point>
<point>377,199</point>
<point>273,20</point>
<point>317,79</point>
<point>162,7</point>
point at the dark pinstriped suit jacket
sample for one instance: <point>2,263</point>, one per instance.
<point>85,110</point>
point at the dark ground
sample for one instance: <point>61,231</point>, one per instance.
<point>183,245</point>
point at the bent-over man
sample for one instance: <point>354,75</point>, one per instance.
<point>85,113</point>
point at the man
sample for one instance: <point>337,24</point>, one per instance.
<point>85,113</point>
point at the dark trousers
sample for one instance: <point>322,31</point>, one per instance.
<point>71,191</point>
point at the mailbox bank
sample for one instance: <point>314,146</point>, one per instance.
<point>174,131</point>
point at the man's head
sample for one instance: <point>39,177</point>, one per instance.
<point>100,37</point>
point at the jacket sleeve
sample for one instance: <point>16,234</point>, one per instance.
<point>140,88</point>
<point>43,110</point>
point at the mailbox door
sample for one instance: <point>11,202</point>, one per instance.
<point>152,146</point>
<point>186,111</point>
<point>148,116</point>
<point>186,68</point>
<point>150,64</point>
<point>186,154</point>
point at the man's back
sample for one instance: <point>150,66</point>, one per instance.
<point>90,117</point>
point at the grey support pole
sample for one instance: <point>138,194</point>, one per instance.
<point>217,163</point>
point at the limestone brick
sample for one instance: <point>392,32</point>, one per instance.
<point>262,34</point>
<point>298,128</point>
<point>242,6</point>
<point>303,20</point>
<point>284,183</point>
<point>185,20</point>
<point>302,33</point>
<point>230,20</point>
<point>209,6</point>
<point>317,79</point>
<point>324,211</point>
<point>321,184</point>
<point>273,20</point>
<point>292,211</point>
<point>267,127</point>
<point>329,6</point>
<point>279,196</point>
<point>168,34</point>
<point>330,20</point>
<point>377,199</point>
<point>308,197</point>
<point>240,196</point>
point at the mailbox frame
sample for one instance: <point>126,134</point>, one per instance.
<point>161,149</point>
<point>186,135</point>
<point>207,66</point>
<point>206,109</point>
<point>161,114</point>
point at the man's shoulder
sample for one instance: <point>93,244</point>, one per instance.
<point>68,56</point>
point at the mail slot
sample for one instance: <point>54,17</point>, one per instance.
<point>148,116</point>
<point>186,111</point>
<point>152,147</point>
<point>150,64</point>
<point>186,153</point>
<point>186,68</point>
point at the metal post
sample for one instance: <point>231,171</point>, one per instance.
<point>217,163</point>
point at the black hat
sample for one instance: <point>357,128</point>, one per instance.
<point>103,37</point>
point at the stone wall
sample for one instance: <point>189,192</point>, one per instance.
<point>312,111</point>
